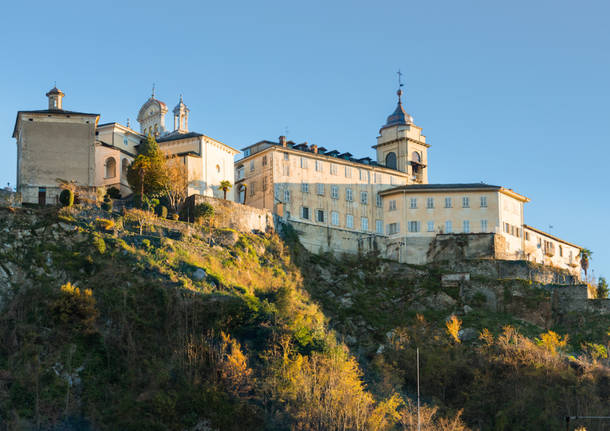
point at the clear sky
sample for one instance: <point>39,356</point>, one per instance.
<point>509,93</point>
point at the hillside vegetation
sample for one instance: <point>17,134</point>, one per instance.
<point>136,322</point>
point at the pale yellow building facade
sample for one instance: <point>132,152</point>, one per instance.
<point>342,204</point>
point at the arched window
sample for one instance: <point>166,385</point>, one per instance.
<point>110,167</point>
<point>390,160</point>
<point>416,157</point>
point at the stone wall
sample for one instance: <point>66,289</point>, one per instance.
<point>232,215</point>
<point>322,239</point>
<point>9,199</point>
<point>568,299</point>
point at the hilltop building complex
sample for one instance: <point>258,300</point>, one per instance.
<point>336,202</point>
<point>340,203</point>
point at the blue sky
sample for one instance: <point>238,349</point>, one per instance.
<point>509,93</point>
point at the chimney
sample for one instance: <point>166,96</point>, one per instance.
<point>283,141</point>
<point>314,148</point>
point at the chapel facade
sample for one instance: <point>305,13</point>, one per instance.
<point>56,146</point>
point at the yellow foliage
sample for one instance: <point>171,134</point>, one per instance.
<point>234,368</point>
<point>73,290</point>
<point>552,342</point>
<point>486,337</point>
<point>105,224</point>
<point>453,328</point>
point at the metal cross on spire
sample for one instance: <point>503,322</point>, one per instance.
<point>400,84</point>
<point>153,90</point>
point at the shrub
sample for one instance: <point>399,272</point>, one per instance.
<point>99,244</point>
<point>107,204</point>
<point>114,193</point>
<point>105,224</point>
<point>66,198</point>
<point>453,328</point>
<point>203,212</point>
<point>162,211</point>
<point>175,216</point>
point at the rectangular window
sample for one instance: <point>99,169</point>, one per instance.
<point>430,203</point>
<point>320,189</point>
<point>483,201</point>
<point>305,213</point>
<point>334,218</point>
<point>334,192</point>
<point>348,172</point>
<point>264,160</point>
<point>264,183</point>
<point>251,165</point>
<point>413,203</point>
<point>320,216</point>
<point>392,205</point>
<point>125,141</point>
<point>413,226</point>
<point>349,221</point>
<point>378,201</point>
<point>506,227</point>
<point>364,222</point>
<point>430,226</point>
<point>448,227</point>
<point>483,225</point>
<point>246,152</point>
<point>286,195</point>
<point>364,198</point>
<point>318,166</point>
<point>466,226</point>
<point>303,163</point>
<point>527,236</point>
<point>252,188</point>
<point>560,251</point>
<point>240,172</point>
<point>392,181</point>
<point>333,169</point>
<point>305,187</point>
<point>465,202</point>
<point>447,202</point>
<point>393,228</point>
<point>286,156</point>
<point>349,196</point>
<point>361,174</point>
<point>379,227</point>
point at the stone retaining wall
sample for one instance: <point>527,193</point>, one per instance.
<point>229,214</point>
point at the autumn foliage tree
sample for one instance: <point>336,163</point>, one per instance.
<point>175,184</point>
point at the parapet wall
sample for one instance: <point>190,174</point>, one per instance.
<point>322,239</point>
<point>232,215</point>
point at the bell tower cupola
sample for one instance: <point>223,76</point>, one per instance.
<point>55,96</point>
<point>181,117</point>
<point>401,145</point>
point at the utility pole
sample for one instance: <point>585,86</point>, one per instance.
<point>418,420</point>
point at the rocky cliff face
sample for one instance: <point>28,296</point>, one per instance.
<point>133,322</point>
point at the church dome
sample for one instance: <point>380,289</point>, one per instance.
<point>152,107</point>
<point>399,116</point>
